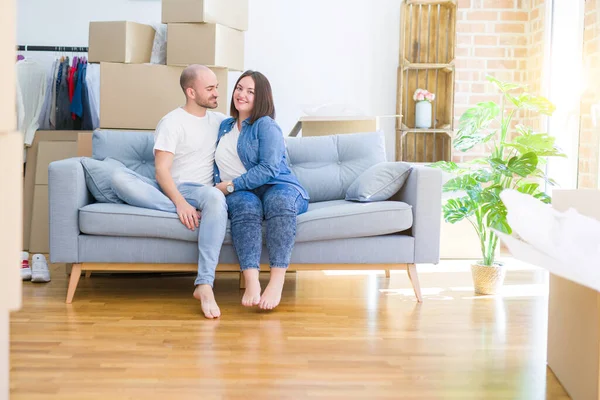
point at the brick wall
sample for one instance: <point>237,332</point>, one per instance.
<point>589,138</point>
<point>502,38</point>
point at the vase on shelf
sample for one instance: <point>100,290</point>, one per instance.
<point>423,114</point>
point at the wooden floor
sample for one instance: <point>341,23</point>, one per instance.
<point>336,336</point>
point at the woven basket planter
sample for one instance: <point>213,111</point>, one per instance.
<point>488,280</point>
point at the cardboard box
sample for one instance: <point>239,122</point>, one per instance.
<point>223,79</point>
<point>8,17</point>
<point>39,239</point>
<point>573,308</point>
<point>574,315</point>
<point>323,126</point>
<point>30,174</point>
<point>120,41</point>
<point>11,203</point>
<point>231,13</point>
<point>137,96</point>
<point>208,44</point>
<point>84,144</point>
<point>49,152</point>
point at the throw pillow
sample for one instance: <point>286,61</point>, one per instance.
<point>98,175</point>
<point>379,182</point>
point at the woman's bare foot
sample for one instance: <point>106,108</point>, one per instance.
<point>205,294</point>
<point>252,294</point>
<point>272,294</point>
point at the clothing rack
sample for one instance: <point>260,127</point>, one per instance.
<point>53,48</point>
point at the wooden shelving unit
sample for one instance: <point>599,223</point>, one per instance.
<point>428,32</point>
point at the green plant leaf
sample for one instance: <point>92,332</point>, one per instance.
<point>523,165</point>
<point>499,166</point>
<point>484,175</point>
<point>496,218</point>
<point>528,187</point>
<point>473,125</point>
<point>504,86</point>
<point>447,166</point>
<point>458,209</point>
<point>463,182</point>
<point>541,144</point>
<point>543,197</point>
<point>531,102</point>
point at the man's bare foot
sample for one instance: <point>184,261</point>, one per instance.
<point>205,294</point>
<point>272,294</point>
<point>252,294</point>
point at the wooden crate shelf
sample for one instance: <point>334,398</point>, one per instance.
<point>424,145</point>
<point>429,31</point>
<point>436,78</point>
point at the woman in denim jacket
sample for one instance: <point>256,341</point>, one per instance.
<point>252,171</point>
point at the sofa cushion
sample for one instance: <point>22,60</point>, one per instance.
<point>324,221</point>
<point>327,165</point>
<point>379,183</point>
<point>98,175</point>
<point>132,148</point>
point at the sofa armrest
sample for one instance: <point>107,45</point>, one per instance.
<point>423,191</point>
<point>67,193</point>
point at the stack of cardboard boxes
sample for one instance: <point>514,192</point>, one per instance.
<point>135,94</point>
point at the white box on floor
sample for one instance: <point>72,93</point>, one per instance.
<point>231,13</point>
<point>208,44</point>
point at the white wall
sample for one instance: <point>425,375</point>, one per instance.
<point>314,52</point>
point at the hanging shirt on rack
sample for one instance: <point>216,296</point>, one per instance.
<point>63,114</point>
<point>52,116</point>
<point>44,122</point>
<point>77,101</point>
<point>31,78</point>
<point>92,79</point>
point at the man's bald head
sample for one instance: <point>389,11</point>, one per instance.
<point>191,73</point>
<point>203,83</point>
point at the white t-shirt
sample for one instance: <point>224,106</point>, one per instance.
<point>227,158</point>
<point>192,140</point>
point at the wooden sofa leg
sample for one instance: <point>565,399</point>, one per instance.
<point>242,281</point>
<point>387,273</point>
<point>414,279</point>
<point>88,274</point>
<point>73,281</point>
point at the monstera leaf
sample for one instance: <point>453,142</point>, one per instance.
<point>473,125</point>
<point>523,165</point>
<point>458,209</point>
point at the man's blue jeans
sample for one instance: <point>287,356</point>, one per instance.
<point>277,204</point>
<point>139,191</point>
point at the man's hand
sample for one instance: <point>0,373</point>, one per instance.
<point>188,215</point>
<point>223,187</point>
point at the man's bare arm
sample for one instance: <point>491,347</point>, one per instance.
<point>187,213</point>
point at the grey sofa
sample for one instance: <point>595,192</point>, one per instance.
<point>333,234</point>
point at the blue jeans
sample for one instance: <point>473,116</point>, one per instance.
<point>279,205</point>
<point>139,191</point>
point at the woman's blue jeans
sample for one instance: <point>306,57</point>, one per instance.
<point>277,204</point>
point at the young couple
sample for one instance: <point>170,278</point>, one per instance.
<point>210,167</point>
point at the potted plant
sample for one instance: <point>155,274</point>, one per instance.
<point>423,99</point>
<point>515,160</point>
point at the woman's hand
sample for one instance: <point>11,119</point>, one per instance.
<point>223,187</point>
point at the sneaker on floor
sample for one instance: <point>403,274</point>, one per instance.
<point>39,269</point>
<point>25,268</point>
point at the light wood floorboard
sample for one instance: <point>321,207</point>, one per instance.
<point>336,335</point>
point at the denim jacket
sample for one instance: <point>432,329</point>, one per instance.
<point>261,149</point>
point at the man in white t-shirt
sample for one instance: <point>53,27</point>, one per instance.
<point>184,149</point>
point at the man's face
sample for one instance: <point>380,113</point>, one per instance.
<point>205,90</point>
